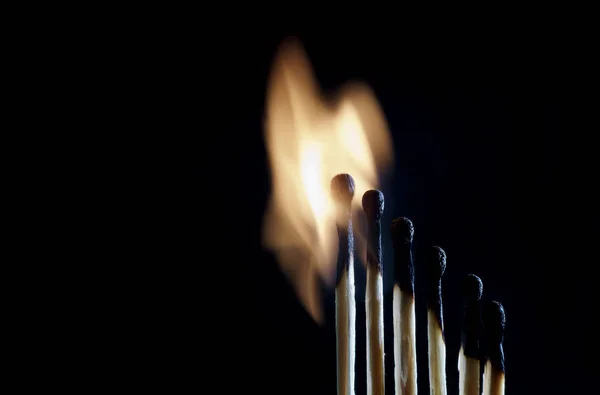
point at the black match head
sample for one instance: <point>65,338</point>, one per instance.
<point>472,287</point>
<point>402,230</point>
<point>436,262</point>
<point>494,321</point>
<point>372,202</point>
<point>342,189</point>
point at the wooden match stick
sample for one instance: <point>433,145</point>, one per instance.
<point>494,321</point>
<point>405,346</point>
<point>373,203</point>
<point>342,191</point>
<point>469,354</point>
<point>436,265</point>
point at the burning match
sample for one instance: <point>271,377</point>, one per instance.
<point>373,204</point>
<point>469,354</point>
<point>342,191</point>
<point>405,345</point>
<point>494,321</point>
<point>309,139</point>
<point>436,265</point>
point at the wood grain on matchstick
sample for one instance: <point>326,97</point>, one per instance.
<point>373,204</point>
<point>405,358</point>
<point>470,354</point>
<point>342,190</point>
<point>494,322</point>
<point>435,258</point>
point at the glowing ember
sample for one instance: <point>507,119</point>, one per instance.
<point>310,140</point>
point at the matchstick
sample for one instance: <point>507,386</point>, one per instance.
<point>494,321</point>
<point>469,355</point>
<point>342,190</point>
<point>436,265</point>
<point>373,203</point>
<point>405,347</point>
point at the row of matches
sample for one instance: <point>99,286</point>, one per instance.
<point>475,377</point>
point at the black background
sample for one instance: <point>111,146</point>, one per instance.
<point>477,111</point>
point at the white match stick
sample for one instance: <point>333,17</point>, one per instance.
<point>436,265</point>
<point>470,354</point>
<point>494,321</point>
<point>342,190</point>
<point>373,203</point>
<point>405,345</point>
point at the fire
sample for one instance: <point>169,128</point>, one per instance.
<point>309,140</point>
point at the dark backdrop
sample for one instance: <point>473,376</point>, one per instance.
<point>477,114</point>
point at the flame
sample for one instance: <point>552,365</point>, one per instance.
<point>309,140</point>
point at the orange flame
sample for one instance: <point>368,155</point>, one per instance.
<point>310,140</point>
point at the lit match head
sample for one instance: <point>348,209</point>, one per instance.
<point>402,230</point>
<point>472,287</point>
<point>342,189</point>
<point>372,202</point>
<point>494,321</point>
<point>436,262</point>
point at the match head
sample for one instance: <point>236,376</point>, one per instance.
<point>342,189</point>
<point>435,258</point>
<point>372,202</point>
<point>472,287</point>
<point>494,320</point>
<point>402,230</point>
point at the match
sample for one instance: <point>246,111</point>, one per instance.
<point>494,321</point>
<point>435,258</point>
<point>469,355</point>
<point>314,140</point>
<point>342,191</point>
<point>405,346</point>
<point>373,203</point>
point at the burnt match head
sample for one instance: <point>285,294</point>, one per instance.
<point>435,257</point>
<point>402,230</point>
<point>342,189</point>
<point>494,321</point>
<point>372,202</point>
<point>472,288</point>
